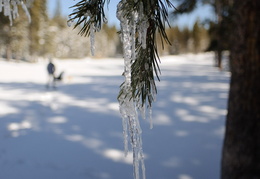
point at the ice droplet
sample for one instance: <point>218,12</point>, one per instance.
<point>105,20</point>
<point>69,22</point>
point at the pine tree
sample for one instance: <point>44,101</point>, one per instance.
<point>58,19</point>
<point>241,151</point>
<point>14,42</point>
<point>174,35</point>
<point>219,29</point>
<point>38,28</point>
<point>196,36</point>
<point>6,38</point>
<point>185,40</point>
<point>20,37</point>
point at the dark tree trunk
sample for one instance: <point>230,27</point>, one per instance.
<point>241,150</point>
<point>219,7</point>
<point>219,58</point>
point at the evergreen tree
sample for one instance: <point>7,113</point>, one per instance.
<point>38,28</point>
<point>185,40</point>
<point>58,18</point>
<point>173,34</point>
<point>55,36</point>
<point>6,38</point>
<point>20,37</point>
<point>220,28</point>
<point>196,36</point>
<point>13,41</point>
<point>241,151</point>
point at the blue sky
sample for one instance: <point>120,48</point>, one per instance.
<point>184,20</point>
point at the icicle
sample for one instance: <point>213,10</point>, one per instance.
<point>7,10</point>
<point>1,5</point>
<point>87,15</point>
<point>133,29</point>
<point>143,33</point>
<point>70,21</point>
<point>125,134</point>
<point>15,9</point>
<point>142,29</point>
<point>150,117</point>
<point>92,39</point>
<point>105,20</point>
<point>128,105</point>
<point>26,11</point>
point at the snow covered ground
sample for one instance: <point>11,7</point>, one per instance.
<point>75,132</point>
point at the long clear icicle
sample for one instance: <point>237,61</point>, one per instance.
<point>92,39</point>
<point>1,5</point>
<point>128,105</point>
<point>26,11</point>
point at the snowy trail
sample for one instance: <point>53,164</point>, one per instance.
<point>76,132</point>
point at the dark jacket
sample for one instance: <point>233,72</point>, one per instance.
<point>51,68</point>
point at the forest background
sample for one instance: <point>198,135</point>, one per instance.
<point>49,36</point>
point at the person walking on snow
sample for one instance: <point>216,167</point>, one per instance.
<point>51,72</point>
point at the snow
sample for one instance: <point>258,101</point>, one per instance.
<point>75,131</point>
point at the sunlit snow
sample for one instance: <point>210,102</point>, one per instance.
<point>75,131</point>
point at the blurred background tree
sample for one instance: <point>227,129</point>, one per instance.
<point>38,29</point>
<point>219,29</point>
<point>236,29</point>
<point>14,43</point>
<point>48,36</point>
<point>241,151</point>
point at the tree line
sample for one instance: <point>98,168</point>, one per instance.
<point>52,37</point>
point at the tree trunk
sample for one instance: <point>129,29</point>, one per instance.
<point>219,7</point>
<point>8,52</point>
<point>219,57</point>
<point>241,150</point>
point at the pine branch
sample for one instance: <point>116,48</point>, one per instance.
<point>154,13</point>
<point>146,64</point>
<point>89,13</point>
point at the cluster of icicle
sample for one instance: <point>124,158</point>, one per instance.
<point>10,9</point>
<point>129,106</point>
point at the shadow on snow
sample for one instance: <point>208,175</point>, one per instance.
<point>75,131</point>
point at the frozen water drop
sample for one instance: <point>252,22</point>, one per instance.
<point>69,22</point>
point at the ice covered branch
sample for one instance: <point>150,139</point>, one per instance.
<point>91,15</point>
<point>140,20</point>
